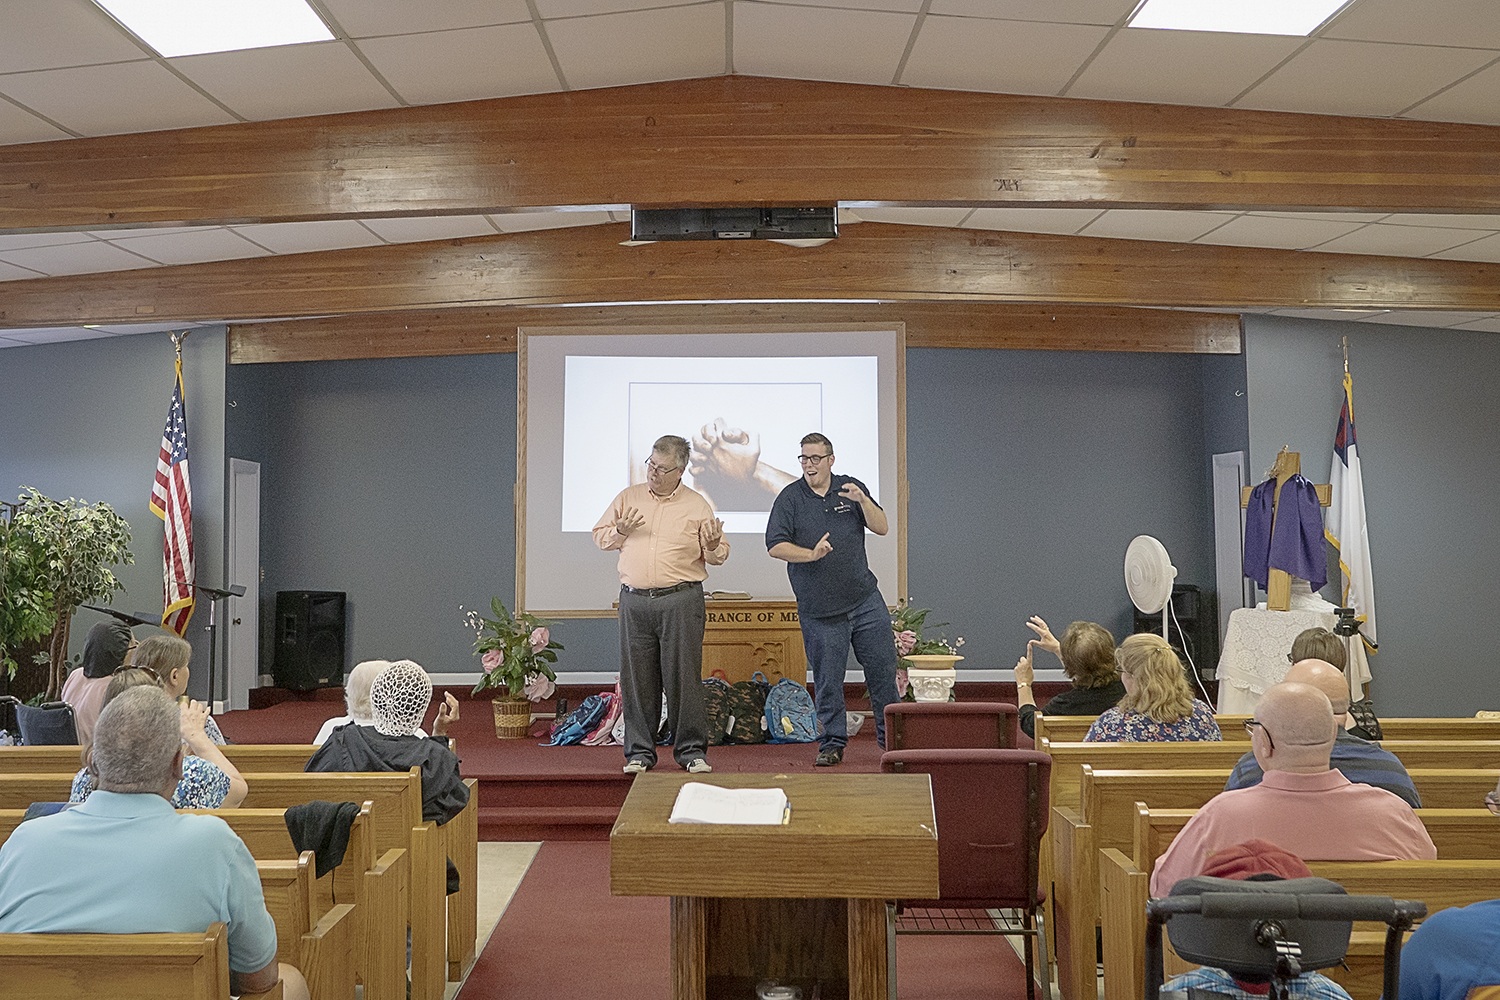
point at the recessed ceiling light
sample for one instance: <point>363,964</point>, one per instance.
<point>193,27</point>
<point>1250,17</point>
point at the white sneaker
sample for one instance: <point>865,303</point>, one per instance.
<point>637,767</point>
<point>699,765</point>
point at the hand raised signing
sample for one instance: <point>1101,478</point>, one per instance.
<point>823,547</point>
<point>853,492</point>
<point>629,520</point>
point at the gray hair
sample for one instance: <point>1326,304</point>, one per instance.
<point>671,444</point>
<point>357,690</point>
<point>136,741</point>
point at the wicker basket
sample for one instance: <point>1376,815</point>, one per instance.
<point>512,717</point>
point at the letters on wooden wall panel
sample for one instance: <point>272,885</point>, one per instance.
<point>739,140</point>
<point>430,333</point>
<point>872,261</point>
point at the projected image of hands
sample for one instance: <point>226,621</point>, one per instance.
<point>727,467</point>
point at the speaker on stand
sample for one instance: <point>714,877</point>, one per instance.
<point>309,647</point>
<point>1193,625</point>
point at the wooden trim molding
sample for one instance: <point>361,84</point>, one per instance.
<point>737,140</point>
<point>870,262</point>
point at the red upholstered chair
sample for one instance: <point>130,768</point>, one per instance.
<point>951,725</point>
<point>991,810</point>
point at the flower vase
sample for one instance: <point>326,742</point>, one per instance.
<point>512,716</point>
<point>931,675</point>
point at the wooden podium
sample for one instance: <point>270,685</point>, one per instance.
<point>741,637</point>
<point>803,903</point>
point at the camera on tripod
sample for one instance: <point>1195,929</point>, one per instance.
<point>1347,624</point>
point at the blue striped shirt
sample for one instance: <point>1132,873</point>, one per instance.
<point>1361,761</point>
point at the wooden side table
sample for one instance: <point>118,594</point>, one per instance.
<point>802,903</point>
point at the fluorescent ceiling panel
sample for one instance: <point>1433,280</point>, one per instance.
<point>1248,17</point>
<point>193,27</point>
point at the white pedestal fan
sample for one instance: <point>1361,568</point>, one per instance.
<point>1149,574</point>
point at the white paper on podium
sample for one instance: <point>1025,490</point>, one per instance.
<point>698,802</point>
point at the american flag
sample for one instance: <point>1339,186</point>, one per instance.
<point>172,501</point>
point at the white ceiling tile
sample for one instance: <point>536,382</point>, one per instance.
<point>1487,249</point>
<point>1326,216</point>
<point>451,227</point>
<point>613,50</point>
<point>362,18</point>
<point>20,241</point>
<point>130,234</point>
<point>582,8</point>
<point>1440,221</point>
<point>526,222</point>
<point>288,81</point>
<point>1398,241</point>
<point>914,216</point>
<point>23,126</point>
<point>307,237</point>
<point>1464,23</point>
<point>1105,12</point>
<point>1013,57</point>
<point>1361,78</point>
<point>1489,324</point>
<point>47,34</point>
<point>107,100</point>
<point>464,65</point>
<point>1284,234</point>
<point>125,329</point>
<point>898,6</point>
<point>1416,317</point>
<point>192,248</point>
<point>76,258</point>
<point>1333,314</point>
<point>1032,220</point>
<point>815,43</point>
<point>54,335</point>
<point>1180,67</point>
<point>10,272</point>
<point>1150,224</point>
<point>1476,100</point>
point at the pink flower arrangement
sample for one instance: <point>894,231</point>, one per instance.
<point>540,636</point>
<point>491,659</point>
<point>517,652</point>
<point>906,641</point>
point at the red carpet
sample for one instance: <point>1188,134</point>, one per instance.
<point>564,935</point>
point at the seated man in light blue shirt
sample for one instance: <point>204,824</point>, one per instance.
<point>126,862</point>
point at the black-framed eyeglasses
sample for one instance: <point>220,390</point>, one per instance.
<point>813,459</point>
<point>660,470</point>
<point>1250,725</point>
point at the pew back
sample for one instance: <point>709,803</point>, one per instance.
<point>248,757</point>
<point>1072,728</point>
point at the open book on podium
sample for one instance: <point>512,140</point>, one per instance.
<point>698,802</point>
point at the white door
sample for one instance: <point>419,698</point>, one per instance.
<point>1231,476</point>
<point>242,636</point>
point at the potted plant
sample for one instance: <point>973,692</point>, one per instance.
<point>927,665</point>
<point>26,606</point>
<point>517,653</point>
<point>78,542</point>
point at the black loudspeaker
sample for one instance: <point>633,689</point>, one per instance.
<point>1195,628</point>
<point>309,639</point>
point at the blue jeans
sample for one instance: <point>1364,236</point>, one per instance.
<point>827,642</point>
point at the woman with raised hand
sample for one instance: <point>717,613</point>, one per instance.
<point>1087,652</point>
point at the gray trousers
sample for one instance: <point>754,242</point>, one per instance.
<point>661,651</point>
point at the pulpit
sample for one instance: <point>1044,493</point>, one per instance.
<point>741,637</point>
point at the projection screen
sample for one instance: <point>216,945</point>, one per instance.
<point>592,400</point>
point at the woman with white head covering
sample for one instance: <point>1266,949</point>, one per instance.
<point>399,698</point>
<point>357,700</point>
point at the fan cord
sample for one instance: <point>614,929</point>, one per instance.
<point>1194,667</point>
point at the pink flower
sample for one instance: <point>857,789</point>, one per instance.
<point>540,636</point>
<point>491,659</point>
<point>538,686</point>
<point>901,682</point>
<point>906,642</point>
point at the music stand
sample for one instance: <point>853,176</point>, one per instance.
<point>214,596</point>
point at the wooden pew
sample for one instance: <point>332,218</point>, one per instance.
<point>17,791</point>
<point>1071,728</point>
<point>121,966</point>
<point>322,947</point>
<point>248,757</point>
<point>1467,840</point>
<point>1106,821</point>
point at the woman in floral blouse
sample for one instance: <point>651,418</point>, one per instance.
<point>1158,704</point>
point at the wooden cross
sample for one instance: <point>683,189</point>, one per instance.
<point>1288,464</point>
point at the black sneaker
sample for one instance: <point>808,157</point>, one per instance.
<point>828,758</point>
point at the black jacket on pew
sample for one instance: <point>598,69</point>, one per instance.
<point>362,748</point>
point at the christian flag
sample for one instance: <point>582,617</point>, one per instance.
<point>1344,525</point>
<point>172,501</point>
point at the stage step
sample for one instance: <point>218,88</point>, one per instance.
<point>529,823</point>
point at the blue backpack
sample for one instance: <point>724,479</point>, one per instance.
<point>581,721</point>
<point>790,715</point>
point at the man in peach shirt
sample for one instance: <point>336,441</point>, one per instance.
<point>667,537</point>
<point>1301,805</point>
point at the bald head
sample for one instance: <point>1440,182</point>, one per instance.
<point>1326,678</point>
<point>1298,723</point>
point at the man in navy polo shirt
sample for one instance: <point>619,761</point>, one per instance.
<point>817,525</point>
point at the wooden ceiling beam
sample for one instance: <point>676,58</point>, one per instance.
<point>749,141</point>
<point>433,333</point>
<point>870,261</point>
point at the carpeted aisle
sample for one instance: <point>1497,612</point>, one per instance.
<point>564,935</point>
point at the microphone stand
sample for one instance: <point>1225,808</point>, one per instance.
<point>214,596</point>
